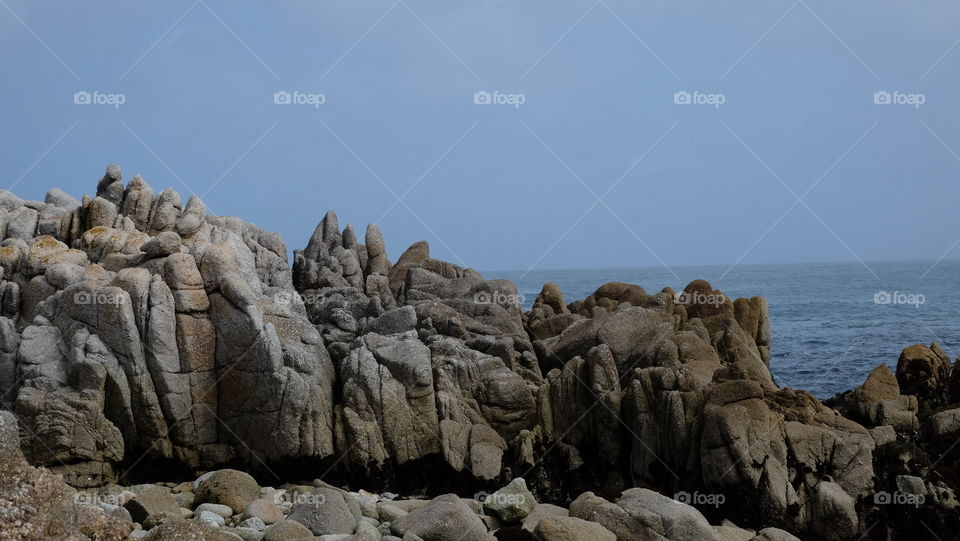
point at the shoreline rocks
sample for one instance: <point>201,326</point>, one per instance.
<point>141,334</point>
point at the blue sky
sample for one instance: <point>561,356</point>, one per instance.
<point>507,186</point>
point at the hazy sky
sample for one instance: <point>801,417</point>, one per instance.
<point>588,89</point>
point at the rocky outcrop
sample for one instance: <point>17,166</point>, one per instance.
<point>138,329</point>
<point>36,503</point>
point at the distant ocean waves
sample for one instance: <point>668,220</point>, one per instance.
<point>832,322</point>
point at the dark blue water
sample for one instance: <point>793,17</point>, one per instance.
<point>828,331</point>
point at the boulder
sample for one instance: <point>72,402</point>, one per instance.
<point>232,488</point>
<point>571,529</point>
<point>326,511</point>
<point>445,518</point>
<point>512,503</point>
<point>641,514</point>
<point>924,372</point>
<point>286,530</point>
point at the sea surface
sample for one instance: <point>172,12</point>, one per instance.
<point>832,322</point>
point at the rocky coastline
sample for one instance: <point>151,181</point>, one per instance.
<point>166,373</point>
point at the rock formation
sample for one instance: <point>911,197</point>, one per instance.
<point>136,329</point>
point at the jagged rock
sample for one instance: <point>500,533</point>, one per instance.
<point>512,503</point>
<point>879,402</point>
<point>133,325</point>
<point>551,296</point>
<point>415,254</point>
<point>62,199</point>
<point>36,504</point>
<point>924,372</point>
<point>110,187</point>
<point>389,407</point>
<point>751,315</point>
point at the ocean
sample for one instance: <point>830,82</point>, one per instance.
<point>832,322</point>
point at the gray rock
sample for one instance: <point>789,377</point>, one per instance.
<point>210,518</point>
<point>945,422</point>
<point>215,508</point>
<point>325,511</point>
<point>151,500</point>
<point>110,186</point>
<point>166,243</point>
<point>445,518</point>
<point>642,514</point>
<point>512,503</point>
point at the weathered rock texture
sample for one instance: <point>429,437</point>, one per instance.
<point>136,327</point>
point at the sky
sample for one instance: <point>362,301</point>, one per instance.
<point>510,135</point>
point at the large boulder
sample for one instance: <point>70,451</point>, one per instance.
<point>327,511</point>
<point>924,372</point>
<point>232,488</point>
<point>640,514</point>
<point>445,518</point>
<point>571,529</point>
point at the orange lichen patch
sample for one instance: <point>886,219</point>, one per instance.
<point>47,242</point>
<point>9,251</point>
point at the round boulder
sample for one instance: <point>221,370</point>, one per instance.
<point>233,488</point>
